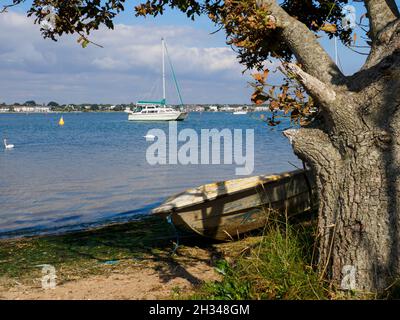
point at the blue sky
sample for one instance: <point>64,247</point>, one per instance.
<point>128,68</point>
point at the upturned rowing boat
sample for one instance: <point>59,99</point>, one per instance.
<point>225,209</point>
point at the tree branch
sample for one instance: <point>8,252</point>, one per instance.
<point>394,7</point>
<point>304,44</point>
<point>337,108</point>
<point>320,91</point>
<point>380,14</point>
<point>386,42</point>
<point>314,147</point>
<point>7,6</point>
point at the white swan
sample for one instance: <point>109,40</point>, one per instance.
<point>7,146</point>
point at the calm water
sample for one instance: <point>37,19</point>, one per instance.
<point>93,170</point>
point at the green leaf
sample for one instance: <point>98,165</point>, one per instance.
<point>85,43</point>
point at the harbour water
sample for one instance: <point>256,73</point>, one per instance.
<point>93,170</point>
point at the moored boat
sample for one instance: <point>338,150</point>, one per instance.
<point>158,110</point>
<point>154,111</point>
<point>225,209</point>
<point>241,112</point>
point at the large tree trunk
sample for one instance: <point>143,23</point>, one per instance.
<point>358,219</point>
<point>354,151</point>
<point>356,158</point>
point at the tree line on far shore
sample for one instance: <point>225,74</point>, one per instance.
<point>54,106</point>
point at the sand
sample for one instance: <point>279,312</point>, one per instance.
<point>152,278</point>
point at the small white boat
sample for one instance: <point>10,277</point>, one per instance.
<point>7,146</point>
<point>240,112</point>
<point>158,110</point>
<point>225,209</point>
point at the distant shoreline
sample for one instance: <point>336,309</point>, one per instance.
<point>105,111</point>
<point>39,112</point>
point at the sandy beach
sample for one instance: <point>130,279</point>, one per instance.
<point>124,261</point>
<point>151,279</point>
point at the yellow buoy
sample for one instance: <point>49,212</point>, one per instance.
<point>61,122</point>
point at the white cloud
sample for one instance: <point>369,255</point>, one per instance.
<point>122,71</point>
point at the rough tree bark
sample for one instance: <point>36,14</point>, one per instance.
<point>355,154</point>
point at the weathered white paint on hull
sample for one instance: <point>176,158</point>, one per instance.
<point>225,209</point>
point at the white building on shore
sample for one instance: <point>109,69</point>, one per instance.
<point>213,108</point>
<point>29,109</point>
<point>25,109</point>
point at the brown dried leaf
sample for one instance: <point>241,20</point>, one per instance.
<point>329,27</point>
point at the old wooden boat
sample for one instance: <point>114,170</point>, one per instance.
<point>225,209</point>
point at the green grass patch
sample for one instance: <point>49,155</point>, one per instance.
<point>278,267</point>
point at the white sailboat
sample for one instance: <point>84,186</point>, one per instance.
<point>157,110</point>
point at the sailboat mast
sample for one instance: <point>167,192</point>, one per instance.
<point>163,67</point>
<point>336,51</point>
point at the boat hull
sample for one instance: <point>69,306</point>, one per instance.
<point>229,214</point>
<point>173,116</point>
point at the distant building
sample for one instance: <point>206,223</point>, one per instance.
<point>198,109</point>
<point>228,109</point>
<point>42,109</point>
<point>24,108</point>
<point>261,109</point>
<point>31,109</point>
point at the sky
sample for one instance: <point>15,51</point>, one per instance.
<point>128,67</point>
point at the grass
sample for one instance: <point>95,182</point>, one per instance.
<point>277,267</point>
